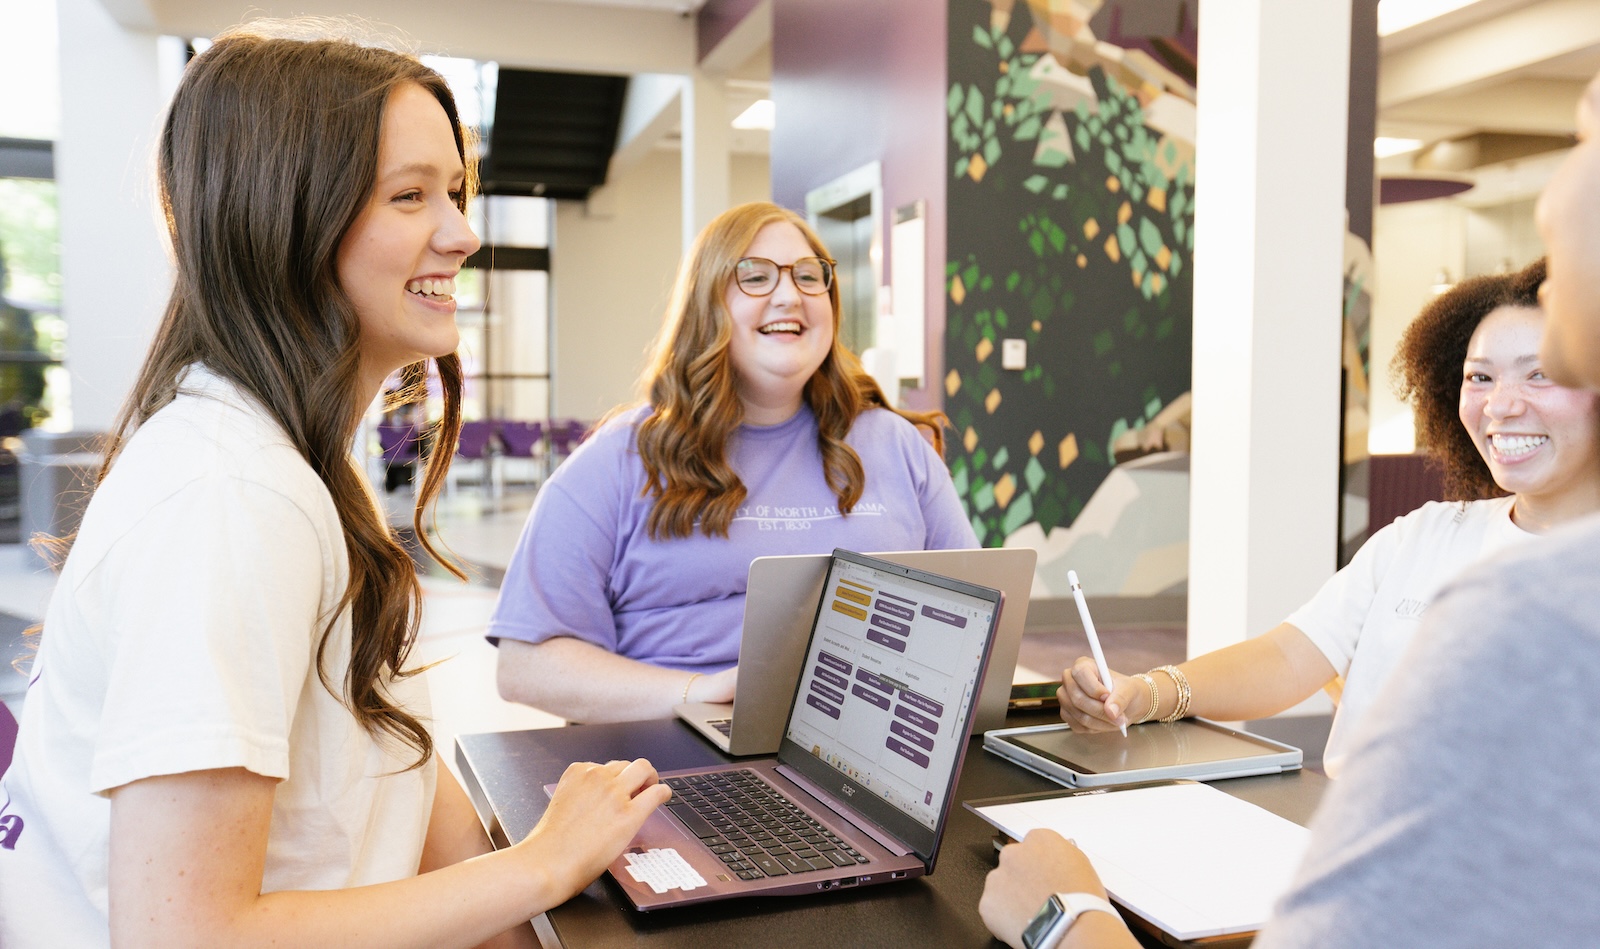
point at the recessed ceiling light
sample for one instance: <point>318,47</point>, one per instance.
<point>1396,15</point>
<point>758,116</point>
<point>1386,147</point>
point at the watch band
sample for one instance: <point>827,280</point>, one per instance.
<point>1060,911</point>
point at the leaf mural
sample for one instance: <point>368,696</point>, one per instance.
<point>1070,227</point>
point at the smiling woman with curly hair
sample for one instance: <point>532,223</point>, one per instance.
<point>1521,455</point>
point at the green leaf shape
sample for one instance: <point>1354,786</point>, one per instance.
<point>1019,513</point>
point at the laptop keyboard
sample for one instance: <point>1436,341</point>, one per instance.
<point>752,828</point>
<point>723,725</point>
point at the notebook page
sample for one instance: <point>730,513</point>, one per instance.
<point>1189,858</point>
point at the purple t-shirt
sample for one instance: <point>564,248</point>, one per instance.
<point>586,566</point>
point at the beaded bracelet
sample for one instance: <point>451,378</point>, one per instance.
<point>692,676</point>
<point>1181,681</point>
<point>1155,697</point>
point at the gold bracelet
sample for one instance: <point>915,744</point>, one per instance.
<point>1155,697</point>
<point>1181,682</point>
<point>692,676</point>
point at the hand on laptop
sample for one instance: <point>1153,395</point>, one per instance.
<point>717,687</point>
<point>1084,704</point>
<point>1044,863</point>
<point>595,811</point>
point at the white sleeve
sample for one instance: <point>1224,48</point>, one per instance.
<point>1333,619</point>
<point>208,612</point>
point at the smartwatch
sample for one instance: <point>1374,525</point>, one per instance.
<point>1059,912</point>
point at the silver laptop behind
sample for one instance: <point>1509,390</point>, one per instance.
<point>780,601</point>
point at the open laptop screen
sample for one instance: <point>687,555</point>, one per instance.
<point>886,694</point>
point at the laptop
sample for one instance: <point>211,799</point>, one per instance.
<point>780,597</point>
<point>871,751</point>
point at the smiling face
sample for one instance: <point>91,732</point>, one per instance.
<point>1569,222</point>
<point>1541,441</point>
<point>780,340</point>
<point>398,261</point>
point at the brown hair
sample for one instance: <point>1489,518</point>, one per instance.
<point>269,153</point>
<point>690,386</point>
<point>1427,372</point>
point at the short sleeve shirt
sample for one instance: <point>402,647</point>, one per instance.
<point>182,636</point>
<point>586,566</point>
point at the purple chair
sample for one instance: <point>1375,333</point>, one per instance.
<point>399,442</point>
<point>520,438</point>
<point>474,440</point>
<point>565,435</point>
<point>524,440</point>
<point>474,444</point>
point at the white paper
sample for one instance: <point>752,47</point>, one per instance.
<point>1191,859</point>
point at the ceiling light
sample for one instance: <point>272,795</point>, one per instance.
<point>758,116</point>
<point>1396,15</point>
<point>1388,147</point>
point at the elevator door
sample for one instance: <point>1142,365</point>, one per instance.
<point>848,230</point>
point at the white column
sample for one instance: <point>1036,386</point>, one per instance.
<point>115,274</point>
<point>1269,226</point>
<point>706,135</point>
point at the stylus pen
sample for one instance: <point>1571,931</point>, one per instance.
<point>1094,638</point>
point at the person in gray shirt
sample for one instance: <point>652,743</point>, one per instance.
<point>1463,817</point>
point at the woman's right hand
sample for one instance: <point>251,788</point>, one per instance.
<point>715,687</point>
<point>1086,706</point>
<point>595,810</point>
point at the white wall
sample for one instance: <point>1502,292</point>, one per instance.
<point>612,273</point>
<point>115,274</point>
<point>1413,244</point>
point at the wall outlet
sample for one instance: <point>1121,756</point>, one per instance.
<point>1014,354</point>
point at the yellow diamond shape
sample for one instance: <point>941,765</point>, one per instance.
<point>1158,199</point>
<point>976,168</point>
<point>952,383</point>
<point>1003,490</point>
<point>1036,442</point>
<point>1112,250</point>
<point>1124,212</point>
<point>992,400</point>
<point>970,440</point>
<point>958,290</point>
<point>1164,257</point>
<point>1082,261</point>
<point>1068,449</point>
<point>1091,227</point>
<point>1113,185</point>
<point>984,349</point>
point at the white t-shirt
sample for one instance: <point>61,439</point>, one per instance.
<point>182,636</point>
<point>1363,618</point>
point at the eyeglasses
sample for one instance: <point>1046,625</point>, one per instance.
<point>759,276</point>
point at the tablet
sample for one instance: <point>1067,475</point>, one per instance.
<point>1192,748</point>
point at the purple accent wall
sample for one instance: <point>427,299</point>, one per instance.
<point>855,82</point>
<point>716,20</point>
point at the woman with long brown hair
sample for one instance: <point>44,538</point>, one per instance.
<point>222,742</point>
<point>760,434</point>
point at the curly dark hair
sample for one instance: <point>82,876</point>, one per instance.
<point>1427,373</point>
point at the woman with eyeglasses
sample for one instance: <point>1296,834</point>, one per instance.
<point>759,434</point>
